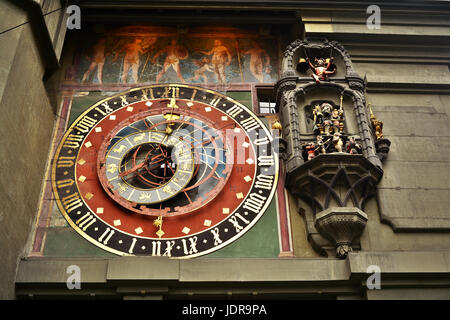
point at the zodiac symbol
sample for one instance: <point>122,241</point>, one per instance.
<point>112,168</point>
<point>119,149</point>
<point>122,187</point>
<point>168,189</point>
<point>145,196</point>
<point>139,137</point>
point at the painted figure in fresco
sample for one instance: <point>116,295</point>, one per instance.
<point>203,66</point>
<point>97,61</point>
<point>221,58</point>
<point>321,69</point>
<point>148,43</point>
<point>131,59</point>
<point>259,61</point>
<point>174,53</point>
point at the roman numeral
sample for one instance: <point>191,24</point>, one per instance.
<point>234,111</point>
<point>236,224</point>
<point>64,183</point>
<point>254,202</point>
<point>173,92</point>
<point>64,162</point>
<point>156,248</point>
<point>85,124</point>
<point>71,202</point>
<point>192,245</point>
<point>215,101</point>
<point>169,246</point>
<point>133,243</point>
<point>145,93</point>
<point>124,101</point>
<point>86,221</point>
<point>107,110</point>
<point>264,182</point>
<point>250,124</point>
<point>266,161</point>
<point>217,239</point>
<point>72,141</point>
<point>261,141</point>
<point>193,94</point>
<point>104,238</point>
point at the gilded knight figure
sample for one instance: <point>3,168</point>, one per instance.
<point>328,119</point>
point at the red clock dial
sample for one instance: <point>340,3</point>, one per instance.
<point>169,170</point>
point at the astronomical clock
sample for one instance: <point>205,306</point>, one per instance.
<point>165,170</point>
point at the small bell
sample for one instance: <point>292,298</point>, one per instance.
<point>302,65</point>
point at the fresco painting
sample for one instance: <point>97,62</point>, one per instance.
<point>147,54</point>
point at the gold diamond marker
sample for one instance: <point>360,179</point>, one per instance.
<point>207,223</point>
<point>82,178</point>
<point>226,210</point>
<point>138,230</point>
<point>239,195</point>
<point>81,162</point>
<point>186,230</point>
<point>88,196</point>
<point>247,178</point>
<point>159,233</point>
<point>88,144</point>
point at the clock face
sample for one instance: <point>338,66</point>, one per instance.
<point>170,170</point>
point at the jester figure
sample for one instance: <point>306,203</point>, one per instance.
<point>321,69</point>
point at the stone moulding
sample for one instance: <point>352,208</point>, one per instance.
<point>341,225</point>
<point>318,180</point>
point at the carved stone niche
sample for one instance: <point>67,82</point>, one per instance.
<point>316,48</point>
<point>336,187</point>
<point>298,123</point>
<point>332,184</point>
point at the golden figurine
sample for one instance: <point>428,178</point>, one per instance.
<point>377,125</point>
<point>276,128</point>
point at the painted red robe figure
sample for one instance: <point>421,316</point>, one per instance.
<point>310,150</point>
<point>353,147</point>
<point>322,68</point>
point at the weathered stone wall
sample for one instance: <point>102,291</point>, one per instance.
<point>26,124</point>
